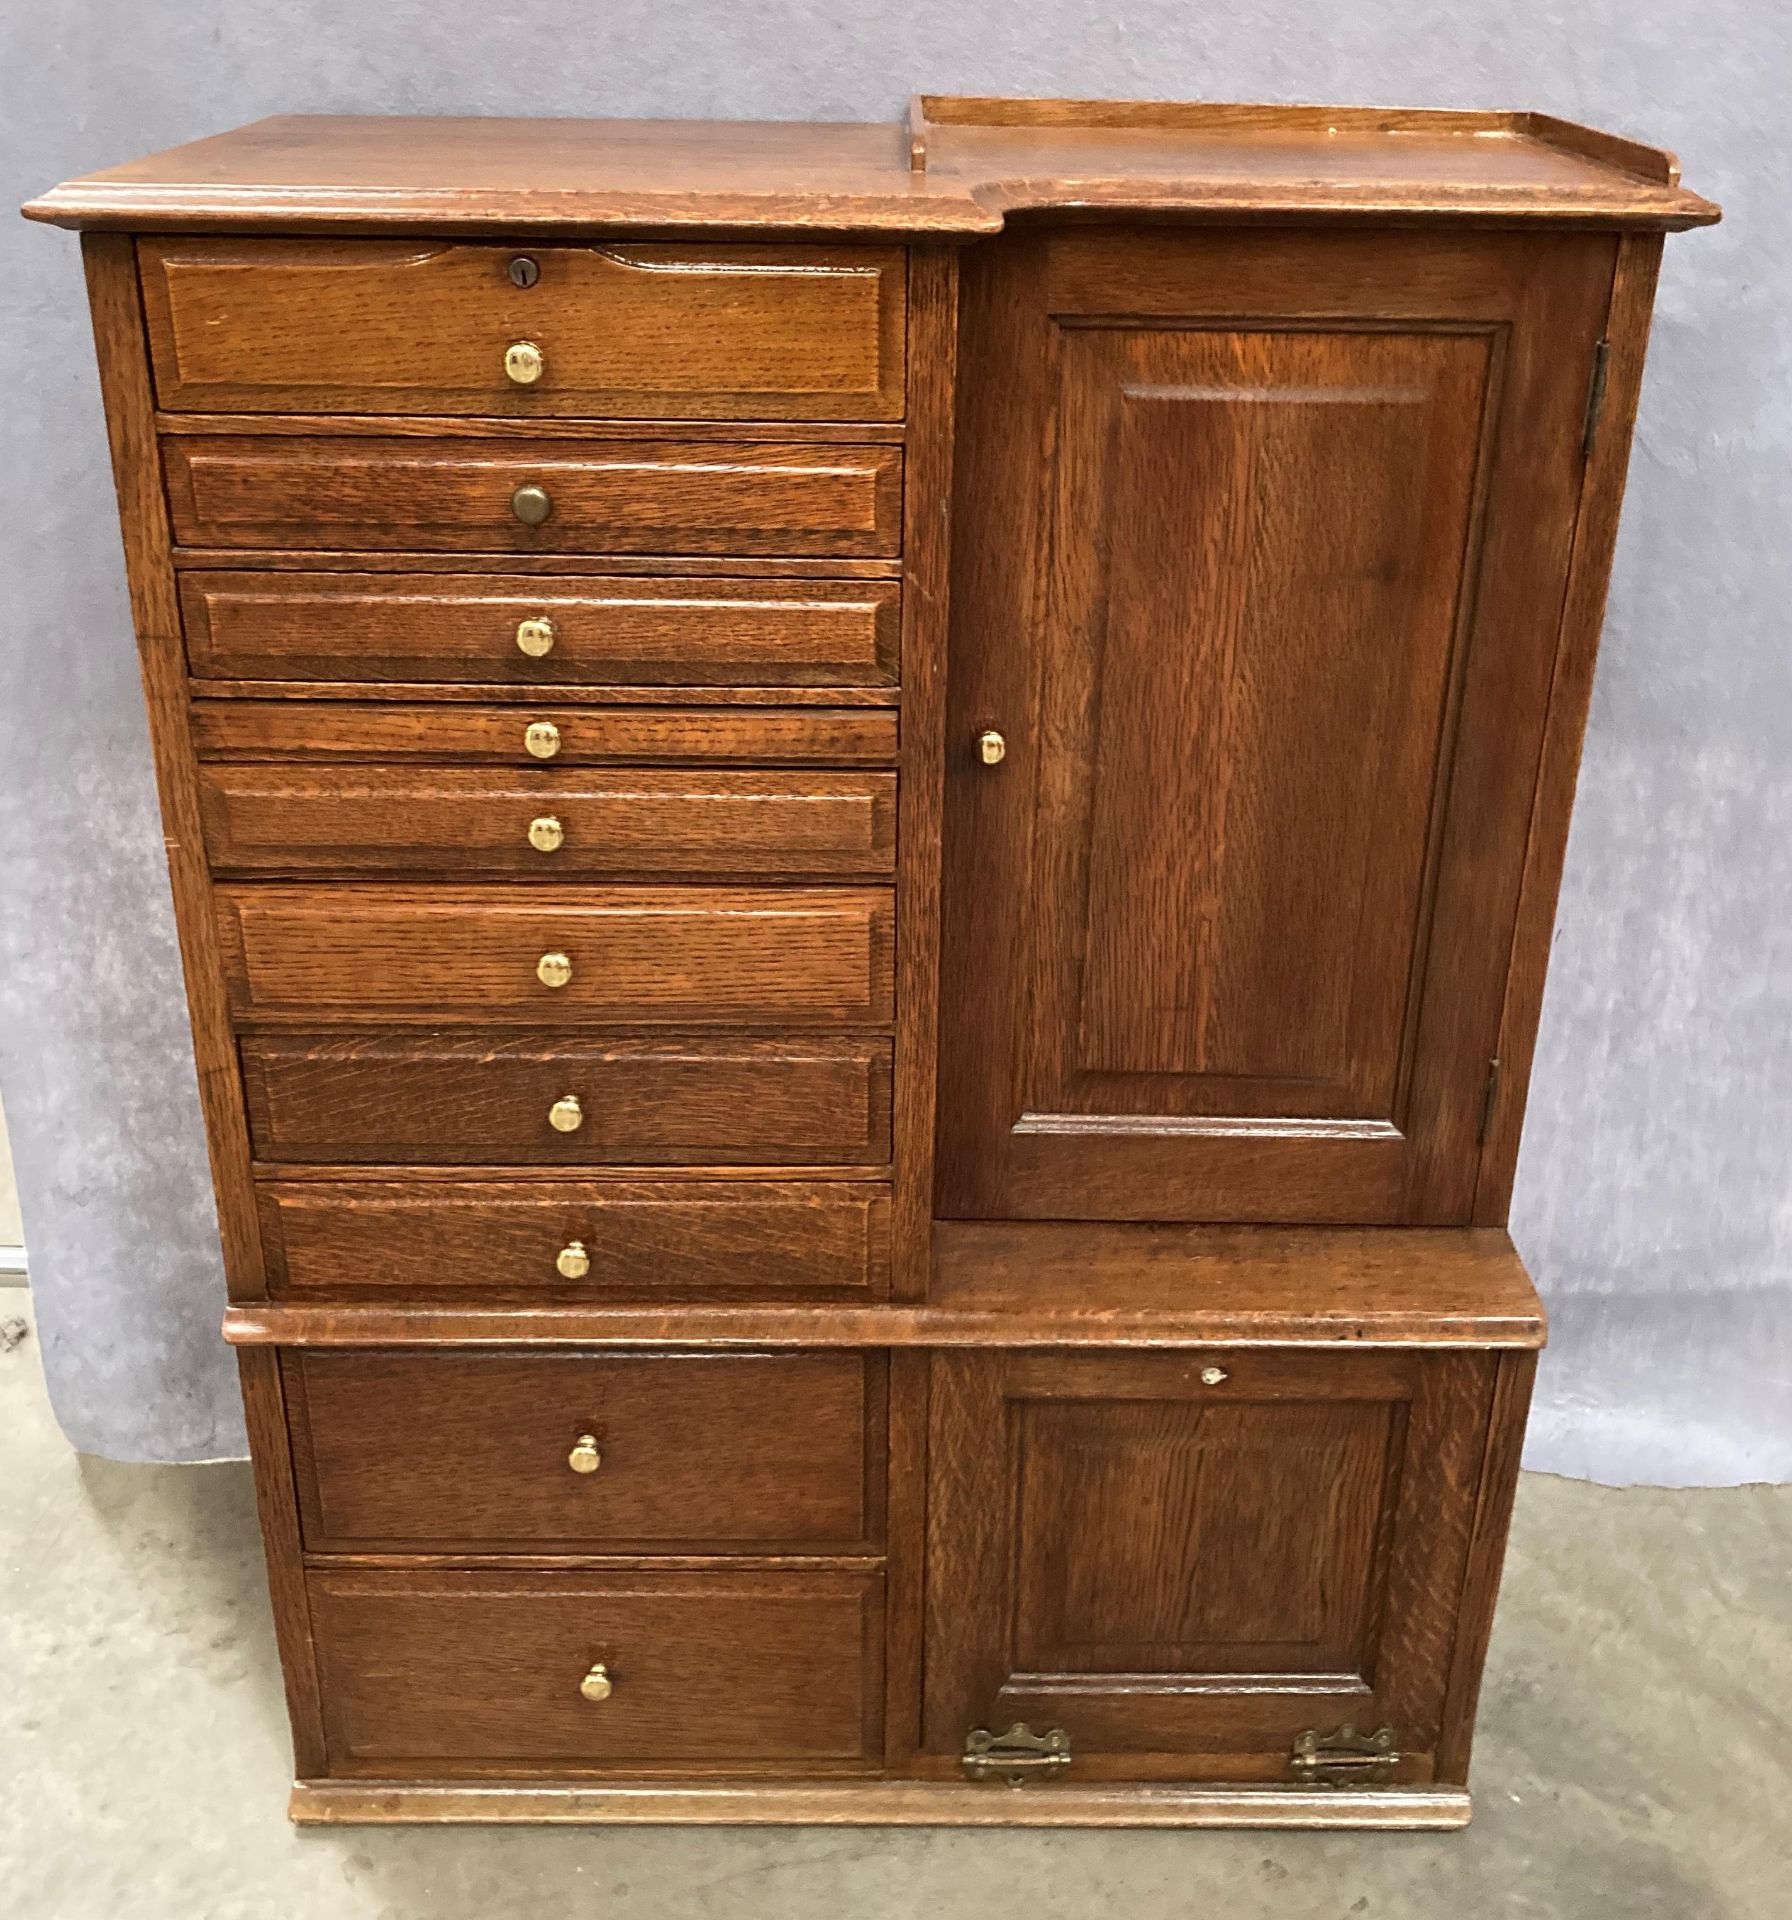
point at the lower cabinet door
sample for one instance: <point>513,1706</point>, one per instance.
<point>1187,1561</point>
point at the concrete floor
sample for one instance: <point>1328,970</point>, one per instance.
<point>1635,1759</point>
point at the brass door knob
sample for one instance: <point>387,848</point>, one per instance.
<point>541,739</point>
<point>597,1684</point>
<point>585,1457</point>
<point>991,747</point>
<point>566,1115</point>
<point>546,833</point>
<point>531,505</point>
<point>535,637</point>
<point>572,1262</point>
<point>553,969</point>
<point>523,363</point>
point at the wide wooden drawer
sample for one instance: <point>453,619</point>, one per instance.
<point>599,631</point>
<point>662,1452</point>
<point>623,330</point>
<point>446,1674</point>
<point>541,825</point>
<point>327,732</point>
<point>496,1099</point>
<point>732,955</point>
<point>624,496</point>
<point>569,1240</point>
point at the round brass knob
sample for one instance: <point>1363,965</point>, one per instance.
<point>991,747</point>
<point>553,969</point>
<point>546,833</point>
<point>531,505</point>
<point>597,1685</point>
<point>523,362</point>
<point>535,637</point>
<point>572,1262</point>
<point>566,1115</point>
<point>1212,1376</point>
<point>541,740</point>
<point>585,1457</point>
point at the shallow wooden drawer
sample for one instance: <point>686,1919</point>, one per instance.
<point>600,631</point>
<point>543,825</point>
<point>568,1240</point>
<point>448,1674</point>
<point>484,1099</point>
<point>487,1452</point>
<point>623,496</point>
<point>624,330</point>
<point>326,732</point>
<point>804,955</point>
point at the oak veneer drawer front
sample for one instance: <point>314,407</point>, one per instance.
<point>465,627</point>
<point>457,1673</point>
<point>623,330</point>
<point>542,826</point>
<point>488,1099</point>
<point>803,955</point>
<point>624,496</point>
<point>578,1240</point>
<point>586,1453</point>
<point>542,733</point>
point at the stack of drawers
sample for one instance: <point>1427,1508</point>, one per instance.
<point>542,611</point>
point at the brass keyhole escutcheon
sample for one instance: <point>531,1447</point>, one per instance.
<point>572,1262</point>
<point>992,749</point>
<point>597,1684</point>
<point>553,969</point>
<point>541,741</point>
<point>546,834</point>
<point>535,637</point>
<point>523,363</point>
<point>523,271</point>
<point>566,1115</point>
<point>585,1457</point>
<point>531,504</point>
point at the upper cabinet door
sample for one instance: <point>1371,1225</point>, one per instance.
<point>1260,548</point>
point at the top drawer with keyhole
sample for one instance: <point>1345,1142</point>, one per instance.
<point>612,330</point>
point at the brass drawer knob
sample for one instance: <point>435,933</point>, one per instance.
<point>541,739</point>
<point>572,1262</point>
<point>992,749</point>
<point>597,1684</point>
<point>566,1115</point>
<point>553,969</point>
<point>531,504</point>
<point>585,1457</point>
<point>523,363</point>
<point>535,637</point>
<point>1212,1376</point>
<point>546,833</point>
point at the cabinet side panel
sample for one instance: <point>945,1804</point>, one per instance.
<point>130,425</point>
<point>1571,691</point>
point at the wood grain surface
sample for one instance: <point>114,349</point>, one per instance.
<point>248,625</point>
<point>624,331</point>
<point>447,496</point>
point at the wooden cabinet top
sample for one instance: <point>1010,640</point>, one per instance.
<point>958,167</point>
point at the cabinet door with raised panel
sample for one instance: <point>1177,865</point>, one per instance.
<point>1185,1561</point>
<point>1260,545</point>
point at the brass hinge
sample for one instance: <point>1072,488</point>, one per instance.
<point>1016,1754</point>
<point>1589,431</point>
<point>1489,1095</point>
<point>1345,1758</point>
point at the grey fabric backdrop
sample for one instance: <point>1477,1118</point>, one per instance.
<point>1655,1191</point>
